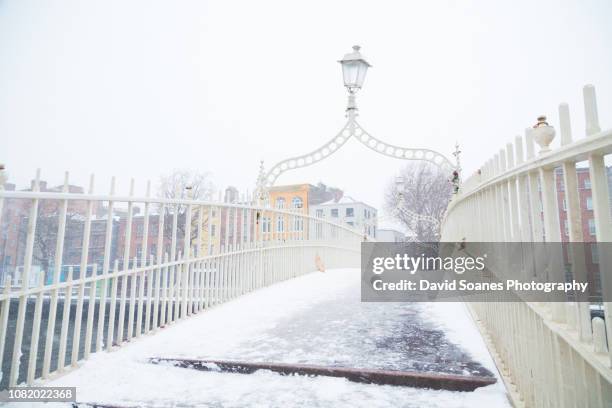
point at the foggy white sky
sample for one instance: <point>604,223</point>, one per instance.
<point>137,88</point>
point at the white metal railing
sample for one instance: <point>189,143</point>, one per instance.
<point>550,354</point>
<point>205,253</point>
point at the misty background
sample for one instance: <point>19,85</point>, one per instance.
<point>139,88</point>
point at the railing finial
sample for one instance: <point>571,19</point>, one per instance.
<point>543,134</point>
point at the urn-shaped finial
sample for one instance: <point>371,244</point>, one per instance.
<point>543,134</point>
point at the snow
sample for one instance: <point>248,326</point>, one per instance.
<point>317,318</point>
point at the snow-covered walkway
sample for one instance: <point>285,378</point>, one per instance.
<point>318,319</point>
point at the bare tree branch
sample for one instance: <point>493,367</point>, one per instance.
<point>174,186</point>
<point>426,191</point>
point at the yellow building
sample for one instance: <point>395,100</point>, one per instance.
<point>211,231</point>
<point>294,198</point>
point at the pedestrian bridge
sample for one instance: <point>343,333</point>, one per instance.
<point>196,255</point>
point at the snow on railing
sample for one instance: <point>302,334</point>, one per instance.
<point>550,354</point>
<point>115,274</point>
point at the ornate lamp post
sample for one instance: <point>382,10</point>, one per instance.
<point>354,70</point>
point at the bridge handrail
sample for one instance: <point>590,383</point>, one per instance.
<point>52,195</point>
<point>549,354</point>
<point>222,250</point>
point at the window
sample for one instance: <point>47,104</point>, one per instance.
<point>334,212</point>
<point>565,227</point>
<point>280,203</point>
<point>589,203</point>
<point>587,183</point>
<point>319,214</point>
<point>351,223</point>
<point>592,226</point>
<point>298,223</point>
<point>265,224</point>
<point>564,204</point>
<point>350,212</point>
<point>297,202</point>
<point>280,223</point>
<point>213,229</point>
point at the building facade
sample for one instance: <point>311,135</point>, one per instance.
<point>353,213</point>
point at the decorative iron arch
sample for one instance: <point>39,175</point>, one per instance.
<point>354,68</point>
<point>352,129</point>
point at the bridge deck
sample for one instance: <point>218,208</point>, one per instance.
<point>315,319</point>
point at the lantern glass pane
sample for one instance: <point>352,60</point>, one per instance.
<point>361,73</point>
<point>349,71</point>
<point>354,73</point>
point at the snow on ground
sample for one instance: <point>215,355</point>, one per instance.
<point>317,318</point>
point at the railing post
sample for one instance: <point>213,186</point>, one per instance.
<point>590,110</point>
<point>105,272</point>
<point>25,283</point>
<point>82,274</point>
<point>144,275</point>
<point>565,124</point>
<point>126,267</point>
<point>57,269</point>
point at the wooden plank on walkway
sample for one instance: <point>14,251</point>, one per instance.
<point>416,379</point>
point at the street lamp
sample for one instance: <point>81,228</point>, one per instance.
<point>354,69</point>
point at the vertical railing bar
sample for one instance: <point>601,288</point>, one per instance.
<point>105,272</point>
<point>199,254</point>
<point>160,251</point>
<point>126,267</point>
<point>57,266</point>
<point>141,293</point>
<point>61,360</point>
<point>27,265</point>
<point>164,291</point>
<point>133,279</point>
<point>173,268</point>
<point>78,316</point>
<point>143,276</point>
<point>235,258</point>
<point>90,312</point>
<point>177,285</point>
<point>225,276</point>
<point>170,296</point>
<point>186,258</point>
<point>112,307</point>
<point>35,331</point>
